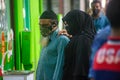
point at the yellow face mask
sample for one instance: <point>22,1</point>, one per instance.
<point>45,30</point>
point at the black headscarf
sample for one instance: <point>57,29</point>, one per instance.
<point>80,23</point>
<point>76,64</point>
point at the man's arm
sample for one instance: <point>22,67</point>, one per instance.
<point>62,42</point>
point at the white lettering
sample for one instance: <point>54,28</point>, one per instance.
<point>101,56</point>
<point>110,56</point>
<point>117,57</point>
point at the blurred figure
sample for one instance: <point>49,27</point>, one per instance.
<point>106,63</point>
<point>50,66</point>
<point>99,40</point>
<point>80,29</point>
<point>99,18</point>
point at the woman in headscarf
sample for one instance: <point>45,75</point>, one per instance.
<point>79,25</point>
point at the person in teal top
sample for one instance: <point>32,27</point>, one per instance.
<point>101,22</point>
<point>50,65</point>
<point>99,18</point>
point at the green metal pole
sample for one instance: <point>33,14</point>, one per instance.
<point>35,33</point>
<point>18,18</point>
<point>38,38</point>
<point>40,6</point>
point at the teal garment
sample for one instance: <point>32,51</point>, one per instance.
<point>50,66</point>
<point>101,22</point>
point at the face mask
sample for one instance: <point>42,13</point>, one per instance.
<point>69,30</point>
<point>95,12</point>
<point>45,30</point>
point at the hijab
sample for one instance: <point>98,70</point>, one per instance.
<point>79,23</point>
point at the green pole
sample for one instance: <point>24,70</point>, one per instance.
<point>40,6</point>
<point>18,18</point>
<point>60,25</point>
<point>35,32</point>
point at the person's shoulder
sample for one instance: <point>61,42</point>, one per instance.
<point>63,37</point>
<point>104,33</point>
<point>103,16</point>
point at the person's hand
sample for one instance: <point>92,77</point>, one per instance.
<point>64,32</point>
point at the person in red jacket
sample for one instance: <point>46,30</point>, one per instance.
<point>107,59</point>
